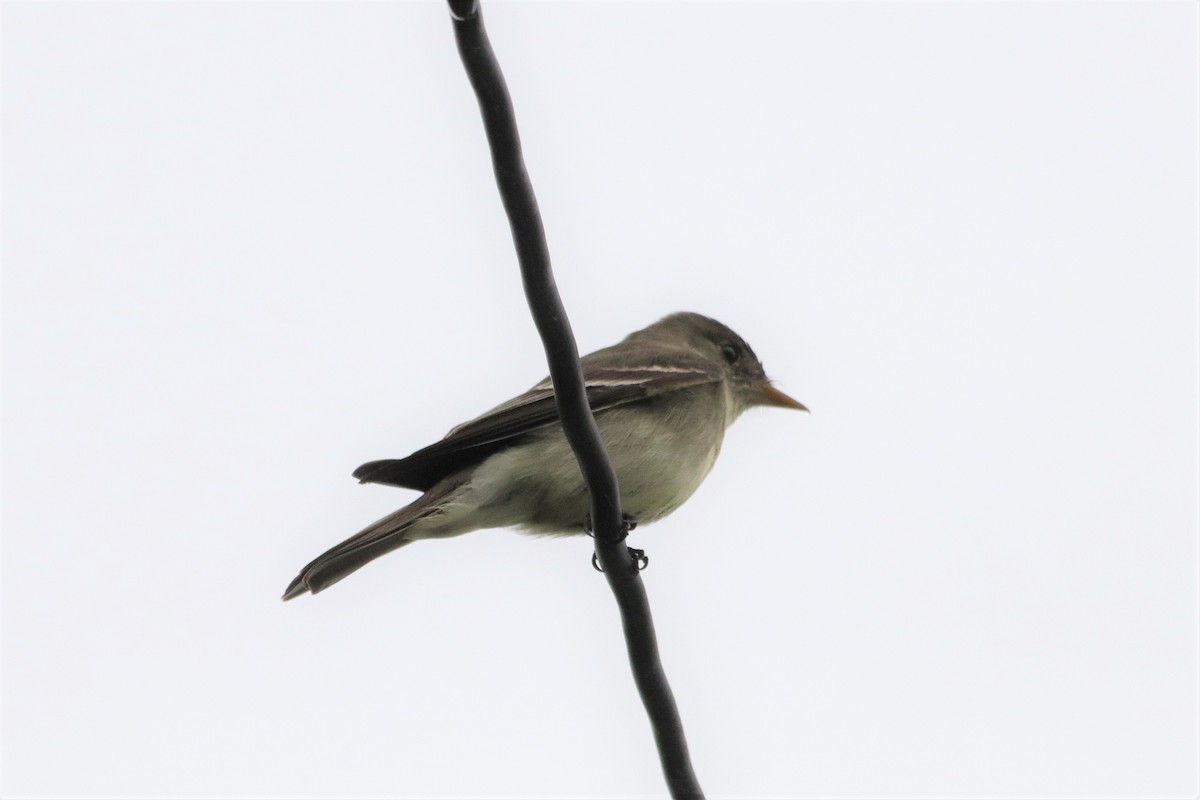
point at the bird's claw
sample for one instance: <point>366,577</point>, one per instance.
<point>628,523</point>
<point>640,559</point>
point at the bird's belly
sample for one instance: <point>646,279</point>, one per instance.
<point>655,482</point>
<point>658,465</point>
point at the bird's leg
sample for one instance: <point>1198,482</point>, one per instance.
<point>628,523</point>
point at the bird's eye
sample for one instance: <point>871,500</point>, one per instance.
<point>729,353</point>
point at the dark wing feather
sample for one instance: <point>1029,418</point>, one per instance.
<point>474,441</point>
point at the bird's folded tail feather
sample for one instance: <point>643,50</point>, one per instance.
<point>378,538</point>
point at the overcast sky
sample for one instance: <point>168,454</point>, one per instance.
<point>249,246</point>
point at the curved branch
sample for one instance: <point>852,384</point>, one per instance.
<point>529,237</point>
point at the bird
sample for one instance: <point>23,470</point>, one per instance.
<point>662,398</point>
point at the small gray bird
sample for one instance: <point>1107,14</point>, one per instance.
<point>662,397</point>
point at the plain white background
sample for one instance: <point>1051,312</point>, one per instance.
<point>249,246</point>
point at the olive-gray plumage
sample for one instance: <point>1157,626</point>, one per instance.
<point>662,398</point>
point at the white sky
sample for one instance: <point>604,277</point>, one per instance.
<point>249,246</point>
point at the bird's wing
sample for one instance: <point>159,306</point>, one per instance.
<point>472,442</point>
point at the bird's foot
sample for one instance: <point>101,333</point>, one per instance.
<point>640,559</point>
<point>628,523</point>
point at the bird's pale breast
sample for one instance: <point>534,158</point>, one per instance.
<point>661,451</point>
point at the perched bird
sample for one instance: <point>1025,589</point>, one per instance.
<point>662,399</point>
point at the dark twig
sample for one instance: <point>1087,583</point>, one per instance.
<point>620,568</point>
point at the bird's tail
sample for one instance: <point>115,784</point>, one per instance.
<point>378,538</point>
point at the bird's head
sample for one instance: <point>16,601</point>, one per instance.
<point>717,343</point>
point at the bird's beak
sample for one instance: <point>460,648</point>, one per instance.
<point>770,396</point>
